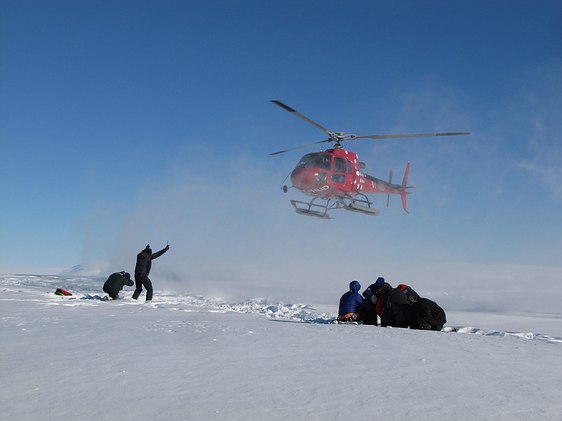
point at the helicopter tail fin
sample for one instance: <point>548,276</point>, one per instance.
<point>403,191</point>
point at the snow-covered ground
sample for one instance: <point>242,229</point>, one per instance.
<point>189,357</point>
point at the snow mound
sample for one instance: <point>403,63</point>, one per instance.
<point>522,335</point>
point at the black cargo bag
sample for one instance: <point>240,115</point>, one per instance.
<point>428,315</point>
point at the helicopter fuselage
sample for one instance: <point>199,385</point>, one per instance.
<point>336,173</point>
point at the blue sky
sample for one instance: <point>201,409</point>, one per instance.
<point>129,122</point>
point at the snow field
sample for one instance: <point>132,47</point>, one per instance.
<point>186,357</point>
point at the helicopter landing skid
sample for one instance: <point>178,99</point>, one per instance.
<point>361,206</point>
<point>306,208</point>
<point>362,209</point>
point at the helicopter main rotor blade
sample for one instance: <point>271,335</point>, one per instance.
<point>398,136</point>
<point>299,115</point>
<point>301,146</point>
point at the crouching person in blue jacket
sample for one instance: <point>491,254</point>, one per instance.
<point>351,304</point>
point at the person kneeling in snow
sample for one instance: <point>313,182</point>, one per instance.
<point>392,305</point>
<point>351,304</point>
<point>412,296</point>
<point>116,282</point>
<point>369,313</point>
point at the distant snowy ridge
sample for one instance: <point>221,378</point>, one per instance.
<point>95,268</point>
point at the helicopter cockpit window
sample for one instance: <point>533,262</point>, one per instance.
<point>339,165</point>
<point>315,160</point>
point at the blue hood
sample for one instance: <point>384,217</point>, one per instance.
<point>354,286</point>
<point>379,282</point>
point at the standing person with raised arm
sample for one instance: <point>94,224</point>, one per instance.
<point>142,270</point>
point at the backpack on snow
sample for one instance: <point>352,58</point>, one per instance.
<point>62,292</point>
<point>428,315</point>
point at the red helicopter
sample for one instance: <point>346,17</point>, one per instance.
<point>334,177</point>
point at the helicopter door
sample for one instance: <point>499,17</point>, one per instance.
<point>340,168</point>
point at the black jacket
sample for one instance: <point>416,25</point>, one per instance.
<point>398,311</point>
<point>115,283</point>
<point>144,260</point>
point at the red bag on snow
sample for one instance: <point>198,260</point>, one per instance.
<point>62,292</point>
